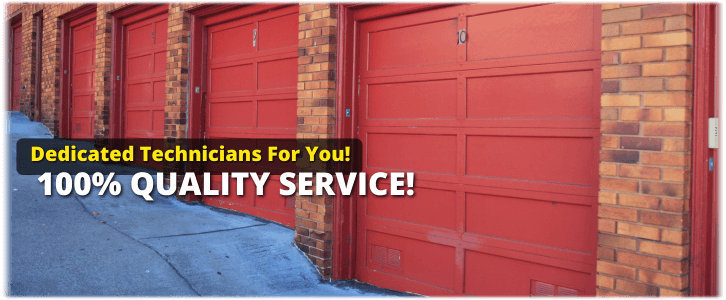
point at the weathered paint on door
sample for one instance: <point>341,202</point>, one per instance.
<point>83,70</point>
<point>251,80</point>
<point>502,132</point>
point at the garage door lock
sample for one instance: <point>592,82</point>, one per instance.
<point>347,113</point>
<point>462,37</point>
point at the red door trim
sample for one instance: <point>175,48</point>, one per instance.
<point>15,21</point>
<point>7,54</point>
<point>11,21</point>
<point>118,19</point>
<point>72,18</point>
<point>704,210</point>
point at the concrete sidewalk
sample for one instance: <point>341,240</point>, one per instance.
<point>106,245</point>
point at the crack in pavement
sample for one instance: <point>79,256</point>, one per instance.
<point>204,232</point>
<point>140,242</point>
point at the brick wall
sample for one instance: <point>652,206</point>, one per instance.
<point>645,157</point>
<point>643,217</point>
<point>316,120</point>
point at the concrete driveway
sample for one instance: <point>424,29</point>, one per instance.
<point>107,246</point>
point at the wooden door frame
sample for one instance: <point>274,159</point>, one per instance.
<point>67,21</point>
<point>16,18</point>
<point>704,186</point>
<point>8,25</point>
<point>119,18</point>
<point>344,207</point>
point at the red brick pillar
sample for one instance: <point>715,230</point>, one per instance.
<point>316,120</point>
<point>645,157</point>
<point>104,78</point>
<point>29,60</point>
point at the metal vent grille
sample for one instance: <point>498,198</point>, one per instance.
<point>386,256</point>
<point>566,292</point>
<point>394,258</point>
<point>290,202</point>
<point>379,255</point>
<point>542,289</point>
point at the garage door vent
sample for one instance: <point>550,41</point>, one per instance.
<point>541,289</point>
<point>290,202</point>
<point>386,256</point>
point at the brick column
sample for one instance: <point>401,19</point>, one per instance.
<point>29,60</point>
<point>177,72</point>
<point>645,158</point>
<point>316,120</point>
<point>104,78</point>
<point>50,78</point>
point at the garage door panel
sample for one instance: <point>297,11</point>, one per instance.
<point>160,62</point>
<point>232,114</point>
<point>502,132</point>
<point>563,160</point>
<point>530,31</point>
<point>422,261</point>
<point>139,93</point>
<point>541,254</point>
<point>140,37</point>
<point>157,120</point>
<point>272,200</point>
<point>139,120</point>
<point>82,70</point>
<point>230,40</point>
<point>403,44</point>
<point>161,31</point>
<point>486,123</point>
<point>521,219</point>
<point>82,127</point>
<point>541,96</point>
<point>230,79</point>
<point>430,206</point>
<point>82,104</point>
<point>82,58</point>
<point>252,92</point>
<point>276,74</point>
<point>250,133</point>
<point>526,61</point>
<point>546,95</point>
<point>84,36</point>
<point>159,91</point>
<point>277,113</point>
<point>82,81</point>
<point>412,100</point>
<point>248,188</point>
<point>423,153</point>
<point>490,275</point>
<point>140,65</point>
<point>279,32</point>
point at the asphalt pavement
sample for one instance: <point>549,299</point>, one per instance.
<point>124,246</point>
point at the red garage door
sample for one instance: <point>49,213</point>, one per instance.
<point>17,52</point>
<point>503,134</point>
<point>251,92</point>
<point>144,86</point>
<point>82,70</point>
